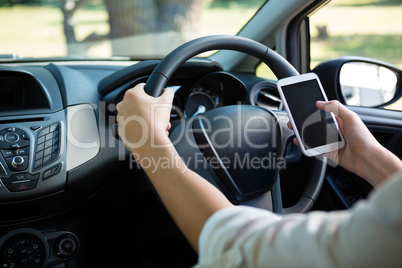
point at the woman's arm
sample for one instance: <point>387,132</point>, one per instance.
<point>190,199</point>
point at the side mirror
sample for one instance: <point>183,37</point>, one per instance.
<point>361,81</point>
<point>367,84</point>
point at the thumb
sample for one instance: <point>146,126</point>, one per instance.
<point>336,108</point>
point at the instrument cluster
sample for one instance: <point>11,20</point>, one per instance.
<point>214,90</point>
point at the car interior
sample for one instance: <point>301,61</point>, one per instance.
<point>71,195</point>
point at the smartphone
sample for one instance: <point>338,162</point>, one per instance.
<point>317,131</point>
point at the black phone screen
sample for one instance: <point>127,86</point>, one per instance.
<point>316,127</point>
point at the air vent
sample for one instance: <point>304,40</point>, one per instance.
<point>265,94</point>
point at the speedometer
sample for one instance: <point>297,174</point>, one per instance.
<point>198,103</point>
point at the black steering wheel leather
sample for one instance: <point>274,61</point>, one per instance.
<point>281,68</point>
<point>165,69</point>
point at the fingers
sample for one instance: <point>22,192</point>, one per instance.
<point>139,87</point>
<point>295,141</point>
<point>167,95</point>
<point>290,125</point>
<point>168,128</point>
<point>337,108</point>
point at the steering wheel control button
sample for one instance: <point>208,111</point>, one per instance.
<point>47,145</point>
<point>51,171</point>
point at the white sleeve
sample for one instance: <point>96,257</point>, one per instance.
<point>369,235</point>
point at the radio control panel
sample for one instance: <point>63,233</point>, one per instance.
<point>31,154</point>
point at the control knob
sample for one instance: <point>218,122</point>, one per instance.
<point>66,246</point>
<point>17,161</point>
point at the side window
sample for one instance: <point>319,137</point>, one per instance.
<point>366,28</point>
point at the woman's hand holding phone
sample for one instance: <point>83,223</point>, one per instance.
<point>316,130</point>
<point>362,153</point>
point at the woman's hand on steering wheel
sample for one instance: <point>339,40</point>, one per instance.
<point>144,120</point>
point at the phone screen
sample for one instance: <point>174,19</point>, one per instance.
<point>316,127</point>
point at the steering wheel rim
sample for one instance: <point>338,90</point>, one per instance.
<point>165,69</point>
<point>160,76</point>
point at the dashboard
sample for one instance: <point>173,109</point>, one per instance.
<point>204,87</point>
<point>54,117</point>
<point>57,148</point>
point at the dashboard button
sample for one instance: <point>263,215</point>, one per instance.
<point>11,137</point>
<point>35,127</point>
<point>21,186</point>
<point>18,163</point>
<point>41,139</point>
<point>47,145</point>
<point>21,182</point>
<point>54,155</point>
<point>24,176</point>
<point>47,159</point>
<point>20,177</point>
<point>24,136</point>
<point>54,127</point>
<point>39,155</point>
<point>22,151</point>
<point>47,151</point>
<point>52,171</point>
<point>49,136</point>
<point>40,147</point>
<point>43,132</point>
<point>56,169</point>
<point>14,146</point>
<point>7,153</point>
<point>47,174</point>
<point>38,163</point>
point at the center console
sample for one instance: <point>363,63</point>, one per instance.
<point>41,141</point>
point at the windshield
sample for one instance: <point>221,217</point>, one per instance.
<point>139,29</point>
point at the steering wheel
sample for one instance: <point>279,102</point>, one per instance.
<point>237,148</point>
